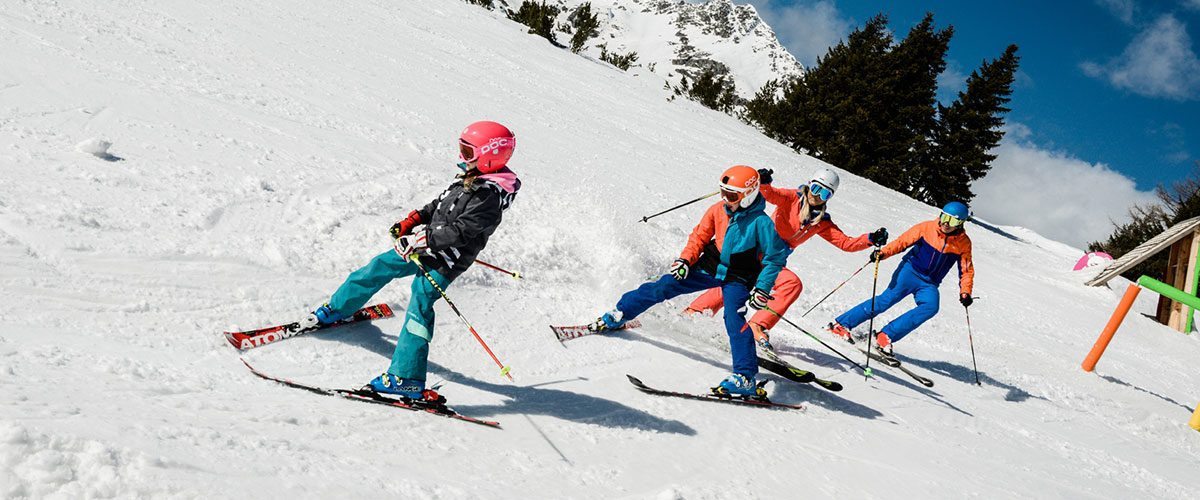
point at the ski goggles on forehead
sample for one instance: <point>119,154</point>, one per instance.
<point>950,220</point>
<point>820,191</point>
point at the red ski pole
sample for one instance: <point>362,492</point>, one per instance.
<point>504,369</point>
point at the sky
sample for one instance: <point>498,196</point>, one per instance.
<point>1106,105</point>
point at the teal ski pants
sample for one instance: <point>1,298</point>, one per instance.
<point>412,346</point>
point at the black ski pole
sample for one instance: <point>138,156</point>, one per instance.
<point>971,339</point>
<point>709,195</point>
<point>871,324</point>
<point>814,337</point>
<point>814,306</point>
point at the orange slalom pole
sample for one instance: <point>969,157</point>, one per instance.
<point>1131,293</point>
<point>1195,421</point>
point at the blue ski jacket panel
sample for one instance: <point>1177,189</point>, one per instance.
<point>740,245</point>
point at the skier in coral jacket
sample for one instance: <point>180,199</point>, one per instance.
<point>799,215</point>
<point>734,248</point>
<point>445,236</point>
<point>934,247</point>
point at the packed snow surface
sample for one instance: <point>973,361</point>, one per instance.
<point>259,152</point>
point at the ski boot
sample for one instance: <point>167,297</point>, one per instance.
<point>737,385</point>
<point>883,345</point>
<point>840,331</point>
<point>762,338</point>
<point>408,389</point>
<point>324,315</point>
<point>608,321</point>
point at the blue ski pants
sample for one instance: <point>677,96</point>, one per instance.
<point>905,282</point>
<point>741,339</point>
<point>411,356</point>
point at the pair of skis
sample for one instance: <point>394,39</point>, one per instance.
<point>257,338</point>
<point>768,361</point>
<point>892,362</point>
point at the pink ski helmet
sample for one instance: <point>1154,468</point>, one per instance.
<point>489,143</point>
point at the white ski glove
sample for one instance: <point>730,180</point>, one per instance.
<point>679,269</point>
<point>411,243</point>
<point>758,298</point>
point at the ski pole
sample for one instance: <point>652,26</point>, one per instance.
<point>504,369</point>
<point>814,306</point>
<point>709,195</point>
<point>814,337</point>
<point>971,339</point>
<point>516,275</point>
<point>871,324</point>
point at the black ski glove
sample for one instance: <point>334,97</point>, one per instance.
<point>879,237</point>
<point>874,255</point>
<point>764,175</point>
<point>966,299</point>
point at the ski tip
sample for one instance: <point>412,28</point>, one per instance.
<point>634,380</point>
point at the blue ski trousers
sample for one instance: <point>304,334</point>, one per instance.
<point>905,282</point>
<point>411,356</point>
<point>741,339</point>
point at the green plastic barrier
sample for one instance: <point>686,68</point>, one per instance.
<point>1195,291</point>
<point>1169,292</point>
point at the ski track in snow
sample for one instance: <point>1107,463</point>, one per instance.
<point>263,152</point>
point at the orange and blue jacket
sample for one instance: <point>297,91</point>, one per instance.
<point>791,223</point>
<point>737,246</point>
<point>933,253</point>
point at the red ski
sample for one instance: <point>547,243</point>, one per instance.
<point>258,338</point>
<point>565,333</point>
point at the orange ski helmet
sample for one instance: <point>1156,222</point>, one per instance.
<point>739,185</point>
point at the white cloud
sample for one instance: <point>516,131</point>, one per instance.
<point>807,28</point>
<point>1191,4</point>
<point>950,83</point>
<point>1059,196</point>
<point>1159,62</point>
<point>1122,9</point>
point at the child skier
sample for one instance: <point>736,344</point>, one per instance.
<point>445,237</point>
<point>734,248</point>
<point>937,246</point>
<point>799,215</point>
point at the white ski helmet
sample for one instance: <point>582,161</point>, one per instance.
<point>826,177</point>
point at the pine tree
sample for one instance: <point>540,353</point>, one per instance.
<point>586,26</point>
<point>968,130</point>
<point>539,17</point>
<point>713,90</point>
<point>915,64</point>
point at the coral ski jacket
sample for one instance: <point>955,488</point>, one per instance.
<point>737,246</point>
<point>795,229</point>
<point>934,253</point>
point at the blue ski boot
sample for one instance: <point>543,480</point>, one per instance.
<point>608,321</point>
<point>405,388</point>
<point>324,315</point>
<point>738,385</point>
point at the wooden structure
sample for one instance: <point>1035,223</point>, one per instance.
<point>1182,242</point>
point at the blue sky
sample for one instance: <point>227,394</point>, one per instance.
<point>1107,99</point>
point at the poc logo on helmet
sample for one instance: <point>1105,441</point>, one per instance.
<point>498,142</point>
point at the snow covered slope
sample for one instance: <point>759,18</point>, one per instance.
<point>674,39</point>
<point>262,149</point>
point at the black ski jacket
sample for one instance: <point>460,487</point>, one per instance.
<point>459,222</point>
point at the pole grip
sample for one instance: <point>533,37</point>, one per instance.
<point>1114,322</point>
